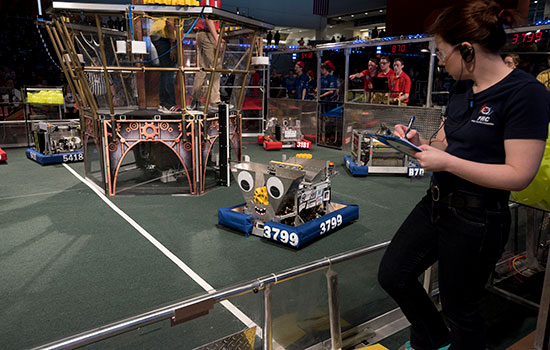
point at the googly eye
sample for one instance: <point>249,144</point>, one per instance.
<point>275,187</point>
<point>246,181</point>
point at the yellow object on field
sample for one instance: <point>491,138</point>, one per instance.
<point>304,155</point>
<point>374,347</point>
<point>46,97</point>
<point>537,194</point>
<point>292,165</point>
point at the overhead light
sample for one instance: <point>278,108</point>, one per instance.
<point>352,16</point>
<point>330,26</point>
<point>339,17</point>
<point>381,10</point>
<point>536,1</point>
<point>364,30</point>
<point>366,13</point>
<point>424,50</point>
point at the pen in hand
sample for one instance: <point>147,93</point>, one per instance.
<point>411,121</point>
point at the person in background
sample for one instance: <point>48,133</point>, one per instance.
<point>367,74</point>
<point>277,38</point>
<point>207,39</point>
<point>329,83</point>
<point>301,81</point>
<point>269,37</point>
<point>544,76</point>
<point>163,37</point>
<point>374,33</point>
<point>400,84</point>
<point>385,69</point>
<point>290,84</point>
<point>301,42</point>
<point>276,85</point>
<point>312,86</point>
<point>384,72</point>
<point>490,142</point>
<point>511,60</point>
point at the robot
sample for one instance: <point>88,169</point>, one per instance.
<point>59,137</point>
<point>370,156</point>
<point>285,134</point>
<point>287,202</point>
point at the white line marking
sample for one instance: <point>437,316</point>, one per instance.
<point>207,287</point>
<point>35,194</point>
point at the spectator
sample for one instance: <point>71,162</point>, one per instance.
<point>385,70</point>
<point>276,84</point>
<point>207,39</point>
<point>301,81</point>
<point>400,83</point>
<point>329,83</point>
<point>312,85</point>
<point>277,38</point>
<point>511,60</point>
<point>290,84</point>
<point>367,74</point>
<point>544,76</point>
<point>163,37</point>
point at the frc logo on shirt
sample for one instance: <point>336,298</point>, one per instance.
<point>484,116</point>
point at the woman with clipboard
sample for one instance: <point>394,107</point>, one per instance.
<point>490,143</point>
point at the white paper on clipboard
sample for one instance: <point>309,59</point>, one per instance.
<point>402,145</point>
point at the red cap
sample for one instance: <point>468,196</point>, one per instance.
<point>310,72</point>
<point>330,65</point>
<point>301,64</point>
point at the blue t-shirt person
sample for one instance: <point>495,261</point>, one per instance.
<point>329,82</point>
<point>290,85</point>
<point>302,83</point>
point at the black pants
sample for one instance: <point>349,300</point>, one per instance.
<point>467,242</point>
<point>167,93</point>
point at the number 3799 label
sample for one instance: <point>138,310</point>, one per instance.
<point>292,238</point>
<point>282,236</point>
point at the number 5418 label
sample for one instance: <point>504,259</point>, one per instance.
<point>73,157</point>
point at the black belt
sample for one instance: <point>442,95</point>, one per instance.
<point>465,200</point>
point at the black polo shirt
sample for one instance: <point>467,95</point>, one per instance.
<point>517,107</point>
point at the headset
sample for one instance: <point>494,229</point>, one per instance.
<point>467,53</point>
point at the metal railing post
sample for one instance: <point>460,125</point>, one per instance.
<point>268,331</point>
<point>542,335</point>
<point>334,309</point>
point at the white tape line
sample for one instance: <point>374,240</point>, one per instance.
<point>198,279</point>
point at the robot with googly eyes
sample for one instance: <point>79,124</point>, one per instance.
<point>292,192</point>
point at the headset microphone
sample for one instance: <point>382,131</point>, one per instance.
<point>467,53</point>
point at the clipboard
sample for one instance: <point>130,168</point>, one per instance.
<point>402,145</point>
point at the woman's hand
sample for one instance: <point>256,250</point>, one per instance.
<point>400,130</point>
<point>433,159</point>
